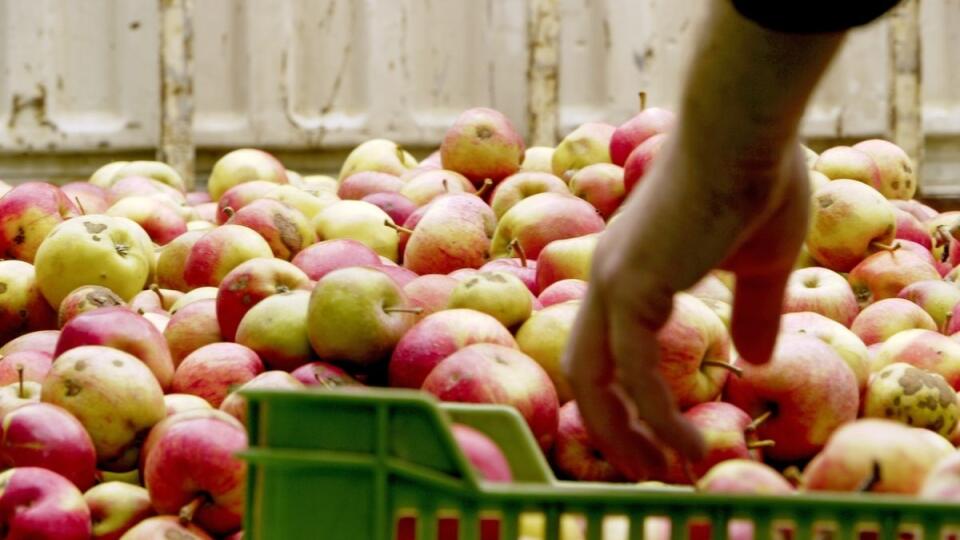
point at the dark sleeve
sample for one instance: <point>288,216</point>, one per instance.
<point>812,16</point>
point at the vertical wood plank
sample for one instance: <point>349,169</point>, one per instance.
<point>543,71</point>
<point>906,107</point>
<point>176,87</point>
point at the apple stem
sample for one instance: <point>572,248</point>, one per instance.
<point>20,378</point>
<point>766,443</point>
<point>228,211</point>
<point>885,247</point>
<point>403,309</point>
<point>188,511</point>
<point>518,250</point>
<point>80,206</point>
<point>398,228</point>
<point>946,323</point>
<point>446,188</point>
<point>758,420</point>
<point>871,480</point>
<point>487,183</point>
<point>643,100</point>
<point>793,475</point>
<point>725,365</point>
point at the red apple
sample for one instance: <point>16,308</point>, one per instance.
<point>213,370</point>
<point>172,261</point>
<point>400,275</point>
<point>241,195</point>
<point>910,228</point>
<point>23,308</point>
<point>521,185</point>
<point>481,144</point>
<point>586,145</point>
<point>147,301</point>
<point>822,291</point>
<point>116,507</point>
<point>159,219</point>
<point>165,527</point>
<point>454,232</point>
<point>563,291</point>
<point>38,503</point>
<point>196,198</point>
<point>744,476</point>
<point>427,186</point>
<point>868,221</point>
<point>633,132</point>
<point>601,185</point>
<point>397,206</point>
<point>881,320</point>
<point>916,208</point>
<point>569,258</point>
<point>241,166</point>
<point>359,185</point>
<point>897,177</point>
<point>221,250</point>
<point>249,283</point>
<point>484,454</point>
<point>844,162</point>
<point>34,364</point>
<point>520,267</point>
<point>640,160</point>
<point>41,341</point>
<point>850,348</point>
<point>941,484</point>
<point>323,374</point>
<point>936,297</point>
<point>285,229</point>
<point>192,327</point>
<point>432,292</point>
<point>574,455</point>
<point>88,198</point>
<point>925,349</point>
<point>885,274</point>
<point>540,219</point>
<point>324,257</point>
<point>28,212</point>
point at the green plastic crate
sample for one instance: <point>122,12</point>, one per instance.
<point>349,465</point>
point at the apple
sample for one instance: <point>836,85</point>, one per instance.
<point>309,202</point>
<point>910,228</point>
<point>914,397</point>
<point>221,250</point>
<point>94,250</point>
<point>521,185</point>
<point>28,213</point>
<point>492,373</point>
<point>192,469</point>
<point>40,341</point>
<point>155,170</point>
<point>18,394</point>
<point>484,454</point>
<point>574,456</point>
<point>640,160</point>
<point>213,370</point>
<point>235,198</point>
<point>196,295</point>
<point>397,206</point>
<point>378,155</point>
<point>822,291</point>
<point>244,165</point>
<point>319,183</point>
<point>165,527</point>
<point>844,162</point>
<point>361,184</point>
<point>323,257</point>
<point>428,185</point>
<point>254,280</point>
<point>196,198</point>
<point>925,349</point>
<point>400,275</point>
<point>44,435</point>
<point>936,297</point>
<point>807,388</point>
<point>116,507</point>
<point>39,503</point>
<point>453,233</point>
<point>499,294</point>
<point>192,327</point>
<point>601,185</point>
<point>34,366</point>
<point>922,212</point>
<point>144,302</point>
<point>568,258</point>
<point>357,315</point>
<point>158,219</point>
<point>885,274</point>
<point>173,261</point>
<point>142,186</point>
<point>846,343</point>
<point>859,450</point>
<point>87,197</point>
<point>563,291</point>
<point>537,159</point>
<point>431,292</point>
<point>520,267</point>
<point>285,229</point>
<point>540,219</point>
<point>23,308</point>
<point>482,143</point>
<point>122,329</point>
<point>586,145</point>
<point>323,374</point>
<point>276,329</point>
<point>941,483</point>
<point>898,180</point>
<point>885,318</point>
<point>360,221</point>
<point>635,131</point>
<point>544,337</point>
<point>236,405</point>
<point>178,403</point>
<point>868,220</point>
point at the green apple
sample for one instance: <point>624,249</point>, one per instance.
<point>544,336</point>
<point>498,294</point>
<point>378,155</point>
<point>276,329</point>
<point>361,221</point>
<point>914,396</point>
<point>538,158</point>
<point>244,165</point>
<point>586,145</point>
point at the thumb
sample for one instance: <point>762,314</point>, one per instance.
<point>757,303</point>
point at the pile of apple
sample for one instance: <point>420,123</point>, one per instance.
<point>131,312</point>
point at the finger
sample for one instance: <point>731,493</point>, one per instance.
<point>757,303</point>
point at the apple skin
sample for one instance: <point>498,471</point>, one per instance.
<point>172,261</point>
<point>239,196</point>
<point>640,160</point>
<point>432,292</point>
<point>324,257</point>
<point>94,250</point>
<point>165,527</point>
<point>438,336</point>
<point>916,208</point>
<point>544,337</point>
<point>574,456</point>
<point>744,476</point>
<point>428,185</point>
<point>35,364</point>
<point>543,218</point>
<point>178,403</point>
<point>359,185</point>
<point>635,131</point>
<point>378,155</point>
<point>23,308</point>
<point>845,162</point>
<point>925,349</point>
<point>28,213</point>
<point>41,341</point>
<point>197,457</point>
<point>484,454</point>
<point>813,391</point>
<point>144,302</point>
<point>161,221</point>
<point>323,374</point>
<point>846,343</point>
<point>523,269</point>
<point>116,507</point>
<point>569,258</point>
<point>898,180</point>
<point>537,159</point>
<point>276,329</point>
<point>38,503</point>
<point>195,295</point>
<point>400,275</point>
<point>122,329</point>
<point>867,219</point>
<point>822,291</point>
<point>482,143</point>
<point>285,229</point>
<point>142,186</point>
<point>883,319</point>
<point>236,405</point>
<point>196,198</point>
<point>192,327</point>
<point>563,291</point>
<point>86,197</point>
<point>244,165</point>
<point>397,206</point>
<point>157,171</point>
<point>601,185</point>
<point>249,283</point>
<point>15,395</point>
<point>360,221</point>
<point>903,455</point>
<point>44,435</point>
<point>499,294</point>
<point>221,250</point>
<point>910,228</point>
<point>521,185</point>
<point>938,298</point>
<point>727,434</point>
<point>885,274</point>
<point>914,397</point>
<point>586,145</point>
<point>213,370</point>
<point>491,373</point>
<point>942,484</point>
<point>453,232</point>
